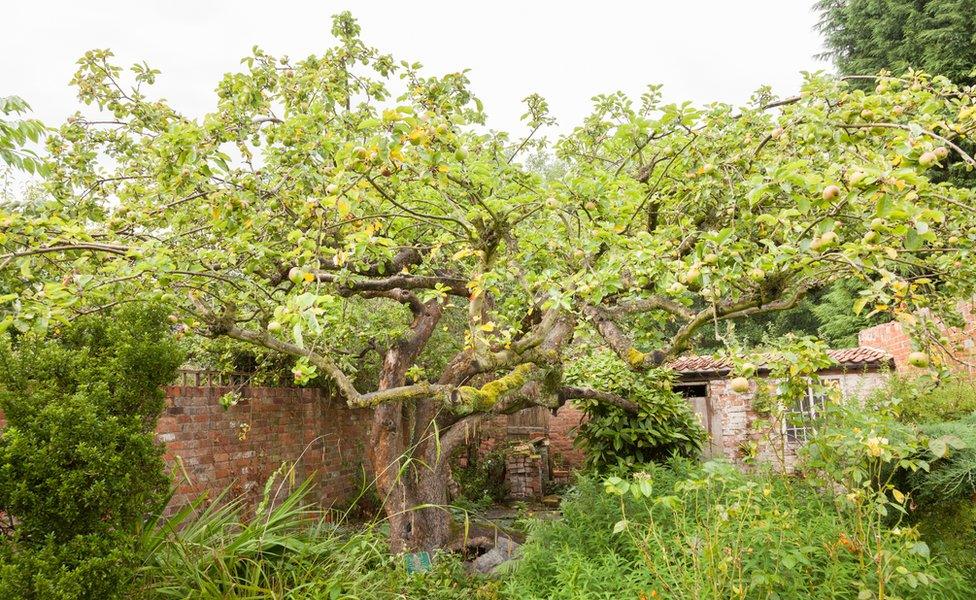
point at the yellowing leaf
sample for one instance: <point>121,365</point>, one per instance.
<point>487,327</point>
<point>308,277</point>
<point>342,206</point>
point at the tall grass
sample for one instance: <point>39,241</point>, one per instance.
<point>284,549</point>
<point>714,533</point>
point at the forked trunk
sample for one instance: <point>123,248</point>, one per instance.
<point>411,474</point>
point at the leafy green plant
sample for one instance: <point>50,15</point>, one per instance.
<point>663,426</point>
<point>691,531</point>
<point>79,466</point>
<point>924,400</point>
<point>857,455</point>
<point>885,470</point>
<point>17,133</point>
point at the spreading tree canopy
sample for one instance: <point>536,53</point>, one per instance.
<point>350,210</point>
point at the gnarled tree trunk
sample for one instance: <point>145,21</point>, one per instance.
<point>411,471</point>
<point>412,477</point>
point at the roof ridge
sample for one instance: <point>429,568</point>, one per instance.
<point>854,355</point>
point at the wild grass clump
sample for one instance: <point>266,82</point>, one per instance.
<point>286,549</point>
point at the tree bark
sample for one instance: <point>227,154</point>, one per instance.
<point>412,477</point>
<point>410,471</point>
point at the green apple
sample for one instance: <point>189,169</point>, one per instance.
<point>927,159</point>
<point>918,359</point>
<point>739,385</point>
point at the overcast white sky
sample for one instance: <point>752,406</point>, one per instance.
<point>701,50</point>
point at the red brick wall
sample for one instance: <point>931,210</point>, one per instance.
<point>524,473</point>
<point>893,339</point>
<point>210,449</point>
<point>889,337</point>
<point>559,429</point>
<point>562,432</point>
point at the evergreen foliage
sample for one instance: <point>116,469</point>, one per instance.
<point>866,36</point>
<point>79,467</point>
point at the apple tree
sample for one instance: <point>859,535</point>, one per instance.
<point>348,208</point>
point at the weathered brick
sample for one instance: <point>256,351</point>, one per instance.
<point>276,425</point>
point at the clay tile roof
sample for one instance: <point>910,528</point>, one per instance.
<point>844,357</point>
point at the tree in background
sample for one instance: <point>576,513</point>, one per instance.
<point>79,465</point>
<point>868,36</point>
<point>825,313</point>
<point>352,212</point>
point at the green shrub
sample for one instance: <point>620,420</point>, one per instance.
<point>688,531</point>
<point>666,426</point>
<point>922,400</point>
<point>951,455</point>
<point>79,467</point>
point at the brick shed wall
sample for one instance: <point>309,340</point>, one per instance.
<point>737,417</point>
<point>210,449</point>
<point>893,339</point>
<point>559,429</point>
<point>562,433</point>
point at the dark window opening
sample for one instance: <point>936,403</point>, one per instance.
<point>694,390</point>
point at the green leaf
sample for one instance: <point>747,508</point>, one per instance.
<point>938,447</point>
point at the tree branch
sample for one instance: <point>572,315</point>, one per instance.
<point>570,393</point>
<point>648,304</point>
<point>82,246</point>
<point>399,295</point>
<point>962,153</point>
<point>455,286</point>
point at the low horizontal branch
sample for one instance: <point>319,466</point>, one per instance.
<point>453,285</point>
<point>571,393</point>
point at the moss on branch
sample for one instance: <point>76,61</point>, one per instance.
<point>484,398</point>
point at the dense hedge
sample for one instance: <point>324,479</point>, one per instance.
<point>79,467</point>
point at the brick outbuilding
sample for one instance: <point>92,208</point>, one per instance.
<point>728,417</point>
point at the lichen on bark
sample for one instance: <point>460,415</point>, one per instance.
<point>484,398</point>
